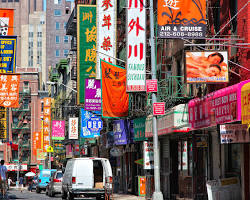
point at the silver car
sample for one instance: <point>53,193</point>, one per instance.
<point>55,184</point>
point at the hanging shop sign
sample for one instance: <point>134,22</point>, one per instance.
<point>175,120</point>
<point>36,142</point>
<point>73,128</point>
<point>58,130</point>
<point>121,135</point>
<point>106,33</point>
<point>234,133</point>
<point>8,53</point>
<point>115,100</point>
<point>93,94</point>
<point>219,107</point>
<point>94,124</point>
<point>206,67</point>
<point>85,132</point>
<point>151,85</point>
<point>182,19</point>
<point>159,108</point>
<point>139,129</point>
<point>6,21</point>
<point>86,47</point>
<point>9,90</point>
<point>14,167</point>
<point>148,153</point>
<point>136,45</point>
<point>3,123</point>
<point>41,155</point>
<point>245,103</point>
<point>46,123</point>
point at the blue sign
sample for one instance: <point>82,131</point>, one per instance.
<point>94,124</point>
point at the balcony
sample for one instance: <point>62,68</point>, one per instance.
<point>20,127</point>
<point>73,44</point>
<point>73,73</point>
<point>62,65</point>
<point>71,24</point>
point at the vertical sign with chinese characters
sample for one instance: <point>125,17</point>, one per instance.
<point>106,30</point>
<point>136,45</point>
<point>36,142</point>
<point>86,47</point>
<point>3,123</point>
<point>58,127</point>
<point>6,21</point>
<point>93,94</point>
<point>73,128</point>
<point>46,122</point>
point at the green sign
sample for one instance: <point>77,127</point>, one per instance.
<point>139,129</point>
<point>139,161</point>
<point>86,46</point>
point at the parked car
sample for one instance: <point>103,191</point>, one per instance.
<point>87,176</point>
<point>55,184</point>
<point>43,179</point>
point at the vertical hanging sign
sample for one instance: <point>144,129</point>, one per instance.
<point>136,45</point>
<point>73,128</point>
<point>106,30</point>
<point>46,122</point>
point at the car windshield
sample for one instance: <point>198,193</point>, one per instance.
<point>46,173</point>
<point>59,175</point>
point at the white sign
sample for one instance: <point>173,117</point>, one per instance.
<point>136,45</point>
<point>234,133</point>
<point>148,155</point>
<point>14,167</point>
<point>106,33</point>
<point>73,128</point>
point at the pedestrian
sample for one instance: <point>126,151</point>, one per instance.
<point>30,184</point>
<point>3,179</point>
<point>21,183</point>
<point>9,182</point>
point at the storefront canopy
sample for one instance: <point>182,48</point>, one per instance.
<point>245,104</point>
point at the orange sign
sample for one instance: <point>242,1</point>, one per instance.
<point>6,21</point>
<point>36,142</point>
<point>9,90</point>
<point>115,99</point>
<point>47,102</point>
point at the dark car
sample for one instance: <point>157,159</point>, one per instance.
<point>55,184</point>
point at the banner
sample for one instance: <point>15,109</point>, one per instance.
<point>207,67</point>
<point>73,128</point>
<point>46,123</point>
<point>136,45</point>
<point>106,33</point>
<point>9,90</point>
<point>41,155</point>
<point>182,19</point>
<point>85,132</point>
<point>36,142</point>
<point>3,123</point>
<point>86,47</point>
<point>120,130</point>
<point>114,96</point>
<point>148,155</point>
<point>6,21</point>
<point>245,104</point>
<point>58,127</point>
<point>139,129</point>
<point>93,94</point>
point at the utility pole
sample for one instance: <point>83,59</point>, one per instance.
<point>157,195</point>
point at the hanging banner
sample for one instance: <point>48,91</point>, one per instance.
<point>8,54</point>
<point>6,21</point>
<point>139,129</point>
<point>206,67</point>
<point>245,104</point>
<point>148,155</point>
<point>114,96</point>
<point>36,142</point>
<point>136,45</point>
<point>9,90</point>
<point>182,19</point>
<point>93,94</point>
<point>85,132</point>
<point>73,128</point>
<point>121,134</point>
<point>86,47</point>
<point>58,127</point>
<point>46,123</point>
<point>41,155</point>
<point>106,33</point>
<point>3,123</point>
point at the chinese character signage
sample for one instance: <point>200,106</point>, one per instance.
<point>207,67</point>
<point>73,128</point>
<point>85,117</point>
<point>41,155</point>
<point>86,46</point>
<point>14,167</point>
<point>114,96</point>
<point>93,94</point>
<point>3,123</point>
<point>9,90</point>
<point>148,155</point>
<point>136,45</point>
<point>121,134</point>
<point>46,123</point>
<point>245,104</point>
<point>106,32</point>
<point>159,108</point>
<point>58,128</point>
<point>36,142</point>
<point>6,21</point>
<point>7,53</point>
<point>182,19</point>
<point>139,129</point>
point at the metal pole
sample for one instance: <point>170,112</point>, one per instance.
<point>157,195</point>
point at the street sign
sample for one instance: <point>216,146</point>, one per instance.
<point>159,108</point>
<point>139,161</point>
<point>151,85</point>
<point>50,149</point>
<point>94,124</point>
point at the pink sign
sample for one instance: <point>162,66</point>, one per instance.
<point>159,108</point>
<point>58,127</point>
<point>151,85</point>
<point>219,107</point>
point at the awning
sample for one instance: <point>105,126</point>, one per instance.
<point>245,104</point>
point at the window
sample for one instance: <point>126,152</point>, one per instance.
<point>66,39</point>
<point>39,44</point>
<point>57,1</point>
<point>31,62</point>
<point>30,45</point>
<point>57,12</point>
<point>65,24</point>
<point>65,52</point>
<point>31,34</point>
<point>57,39</point>
<point>10,0</point>
<point>57,25</point>
<point>39,34</point>
<point>57,53</point>
<point>3,0</point>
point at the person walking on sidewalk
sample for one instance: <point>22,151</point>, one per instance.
<point>9,182</point>
<point>21,184</point>
<point>3,179</point>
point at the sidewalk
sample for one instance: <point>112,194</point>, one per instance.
<point>126,197</point>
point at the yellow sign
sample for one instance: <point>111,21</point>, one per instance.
<point>245,104</point>
<point>50,149</point>
<point>40,154</point>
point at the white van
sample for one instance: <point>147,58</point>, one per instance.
<point>88,176</point>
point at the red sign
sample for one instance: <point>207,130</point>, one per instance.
<point>151,85</point>
<point>159,108</point>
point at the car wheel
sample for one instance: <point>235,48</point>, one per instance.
<point>70,196</point>
<point>38,190</point>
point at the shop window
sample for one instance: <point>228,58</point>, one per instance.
<point>233,166</point>
<point>185,157</point>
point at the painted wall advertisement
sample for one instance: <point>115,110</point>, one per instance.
<point>148,155</point>
<point>58,130</point>
<point>182,19</point>
<point>93,94</point>
<point>73,128</point>
<point>136,45</point>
